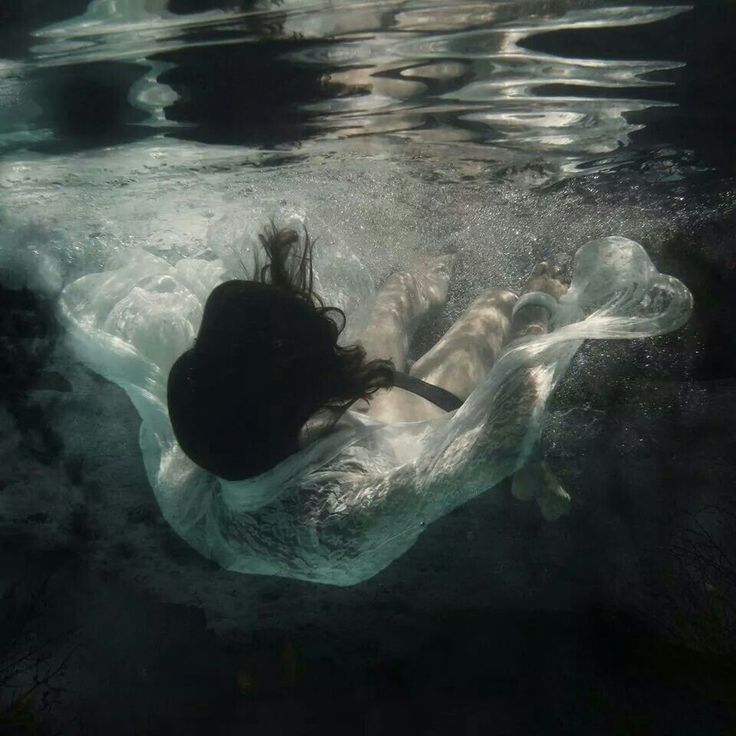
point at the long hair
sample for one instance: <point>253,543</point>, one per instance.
<point>266,359</point>
<point>289,268</point>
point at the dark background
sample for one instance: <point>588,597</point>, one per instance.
<point>618,619</point>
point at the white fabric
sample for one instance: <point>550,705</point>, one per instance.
<point>347,505</point>
<point>535,299</point>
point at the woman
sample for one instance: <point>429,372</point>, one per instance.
<point>268,348</point>
<point>303,457</point>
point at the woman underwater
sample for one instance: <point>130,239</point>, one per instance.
<point>275,448</point>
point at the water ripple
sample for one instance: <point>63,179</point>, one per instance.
<point>452,75</point>
<point>486,77</point>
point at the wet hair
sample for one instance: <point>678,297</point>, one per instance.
<point>265,360</point>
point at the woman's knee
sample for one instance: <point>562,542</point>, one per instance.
<point>487,318</point>
<point>501,299</point>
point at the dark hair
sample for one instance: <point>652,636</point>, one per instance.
<point>265,360</point>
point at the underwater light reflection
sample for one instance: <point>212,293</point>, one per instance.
<point>458,77</point>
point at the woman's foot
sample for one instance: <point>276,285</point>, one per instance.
<point>546,278</point>
<point>434,278</point>
<point>537,304</point>
<point>536,481</point>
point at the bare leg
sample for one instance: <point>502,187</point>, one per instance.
<point>457,363</point>
<point>535,480</point>
<point>461,358</point>
<point>402,300</point>
<point>467,351</point>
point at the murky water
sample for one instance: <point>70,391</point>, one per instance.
<point>504,131</point>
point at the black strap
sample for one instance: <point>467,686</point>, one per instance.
<point>438,396</point>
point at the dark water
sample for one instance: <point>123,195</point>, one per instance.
<point>506,131</point>
<point>567,81</point>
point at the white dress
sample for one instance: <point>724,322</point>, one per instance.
<point>347,505</point>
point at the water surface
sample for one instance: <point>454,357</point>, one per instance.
<point>504,131</point>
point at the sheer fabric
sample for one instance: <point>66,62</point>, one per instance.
<point>353,501</point>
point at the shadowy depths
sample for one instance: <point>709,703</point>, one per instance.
<point>708,265</point>
<point>483,671</point>
<point>87,106</point>
<point>28,333</point>
<point>19,18</point>
<point>703,40</point>
<point>242,94</point>
<point>146,667</point>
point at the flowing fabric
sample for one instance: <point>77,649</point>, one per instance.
<point>353,501</point>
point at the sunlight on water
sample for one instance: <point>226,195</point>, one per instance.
<point>457,77</point>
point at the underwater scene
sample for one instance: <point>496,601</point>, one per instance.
<point>367,367</point>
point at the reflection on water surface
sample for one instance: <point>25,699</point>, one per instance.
<point>463,80</point>
<point>506,132</point>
